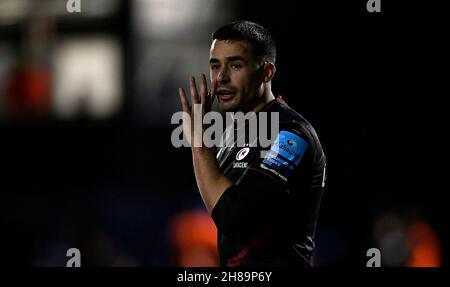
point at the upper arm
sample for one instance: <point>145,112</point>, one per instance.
<point>260,196</point>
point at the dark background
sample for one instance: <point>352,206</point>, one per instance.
<point>365,81</point>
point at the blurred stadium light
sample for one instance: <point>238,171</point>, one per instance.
<point>14,11</point>
<point>193,237</point>
<point>87,75</point>
<point>53,64</point>
<point>407,239</point>
<point>172,39</point>
<point>168,19</point>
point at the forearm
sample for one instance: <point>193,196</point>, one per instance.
<point>211,181</point>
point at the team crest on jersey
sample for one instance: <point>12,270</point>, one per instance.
<point>242,153</point>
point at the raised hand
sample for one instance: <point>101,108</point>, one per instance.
<point>202,101</point>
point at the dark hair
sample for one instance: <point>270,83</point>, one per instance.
<point>263,44</point>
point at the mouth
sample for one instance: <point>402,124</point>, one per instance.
<point>226,95</point>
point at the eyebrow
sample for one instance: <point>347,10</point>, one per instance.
<point>230,59</point>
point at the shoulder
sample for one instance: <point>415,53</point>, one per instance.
<point>295,128</point>
<point>292,121</point>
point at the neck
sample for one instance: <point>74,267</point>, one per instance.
<point>267,97</point>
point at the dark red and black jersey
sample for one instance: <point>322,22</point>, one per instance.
<point>268,216</point>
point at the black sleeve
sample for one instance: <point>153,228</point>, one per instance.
<point>260,198</point>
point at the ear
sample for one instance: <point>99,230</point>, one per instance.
<point>268,71</point>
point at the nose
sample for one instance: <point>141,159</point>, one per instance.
<point>223,77</point>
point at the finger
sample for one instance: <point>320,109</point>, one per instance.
<point>213,91</point>
<point>194,94</point>
<point>183,100</point>
<point>203,90</point>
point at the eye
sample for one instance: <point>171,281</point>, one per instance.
<point>215,67</point>
<point>236,66</point>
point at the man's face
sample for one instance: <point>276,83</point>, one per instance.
<point>239,85</point>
